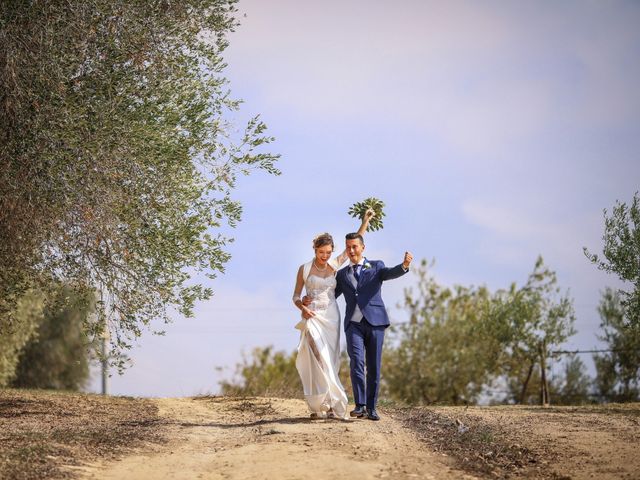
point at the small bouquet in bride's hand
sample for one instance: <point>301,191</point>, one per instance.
<point>358,210</point>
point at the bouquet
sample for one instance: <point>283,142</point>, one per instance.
<point>358,210</point>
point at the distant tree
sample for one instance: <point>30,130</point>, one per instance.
<point>57,356</point>
<point>573,386</point>
<point>268,373</point>
<point>15,331</point>
<point>621,253</point>
<point>118,160</point>
<point>265,373</point>
<point>618,371</point>
<point>442,355</point>
<point>530,322</point>
<point>570,386</point>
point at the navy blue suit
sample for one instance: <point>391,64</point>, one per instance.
<point>365,338</point>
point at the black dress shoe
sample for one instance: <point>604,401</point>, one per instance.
<point>373,415</point>
<point>358,412</point>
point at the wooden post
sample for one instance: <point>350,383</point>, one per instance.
<point>544,385</point>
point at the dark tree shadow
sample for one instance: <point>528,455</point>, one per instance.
<point>273,421</point>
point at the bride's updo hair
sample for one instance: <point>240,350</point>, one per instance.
<point>322,240</point>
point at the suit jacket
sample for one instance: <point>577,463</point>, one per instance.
<point>367,293</point>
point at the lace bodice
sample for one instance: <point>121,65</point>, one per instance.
<point>321,290</point>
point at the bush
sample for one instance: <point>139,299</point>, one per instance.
<point>56,357</point>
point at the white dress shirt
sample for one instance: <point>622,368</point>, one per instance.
<point>357,314</point>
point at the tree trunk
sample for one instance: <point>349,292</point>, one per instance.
<point>523,394</point>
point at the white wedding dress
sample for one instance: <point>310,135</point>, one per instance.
<point>318,360</point>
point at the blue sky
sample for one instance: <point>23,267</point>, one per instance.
<point>494,132</point>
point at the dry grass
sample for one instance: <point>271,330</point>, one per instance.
<point>532,442</point>
<point>478,446</point>
<point>43,433</point>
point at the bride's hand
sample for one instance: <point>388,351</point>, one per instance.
<point>307,314</point>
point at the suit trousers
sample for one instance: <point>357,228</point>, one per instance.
<point>364,345</point>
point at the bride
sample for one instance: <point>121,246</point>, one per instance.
<point>318,358</point>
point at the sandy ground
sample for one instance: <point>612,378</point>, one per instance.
<point>62,435</point>
<point>223,438</point>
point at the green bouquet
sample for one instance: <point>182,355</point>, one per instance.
<point>360,208</point>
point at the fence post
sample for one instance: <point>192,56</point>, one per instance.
<point>544,385</point>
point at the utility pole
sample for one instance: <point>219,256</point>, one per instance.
<point>104,345</point>
<point>105,361</point>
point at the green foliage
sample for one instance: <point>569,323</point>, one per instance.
<point>618,371</point>
<point>16,329</point>
<point>461,340</point>
<point>358,210</point>
<point>266,373</point>
<point>573,386</point>
<point>269,373</point>
<point>458,342</point>
<point>443,354</point>
<point>528,322</point>
<point>622,254</point>
<point>57,357</point>
<point>118,162</point>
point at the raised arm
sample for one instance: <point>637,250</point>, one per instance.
<point>399,270</point>
<point>368,215</point>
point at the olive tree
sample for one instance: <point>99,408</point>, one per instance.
<point>56,356</point>
<point>617,371</point>
<point>118,157</point>
<point>531,322</point>
<point>266,373</point>
<point>621,255</point>
<point>443,354</point>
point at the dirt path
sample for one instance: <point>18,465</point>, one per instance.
<point>222,438</point>
<point>57,435</point>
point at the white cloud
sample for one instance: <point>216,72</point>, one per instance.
<point>511,230</point>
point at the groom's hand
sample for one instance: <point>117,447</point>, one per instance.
<point>306,301</point>
<point>407,260</point>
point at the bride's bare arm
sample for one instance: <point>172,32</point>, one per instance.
<point>297,291</point>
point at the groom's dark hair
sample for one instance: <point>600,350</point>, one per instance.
<point>354,236</point>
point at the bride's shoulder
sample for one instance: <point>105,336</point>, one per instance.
<point>306,264</point>
<point>304,269</point>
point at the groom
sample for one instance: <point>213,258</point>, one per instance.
<point>365,320</point>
